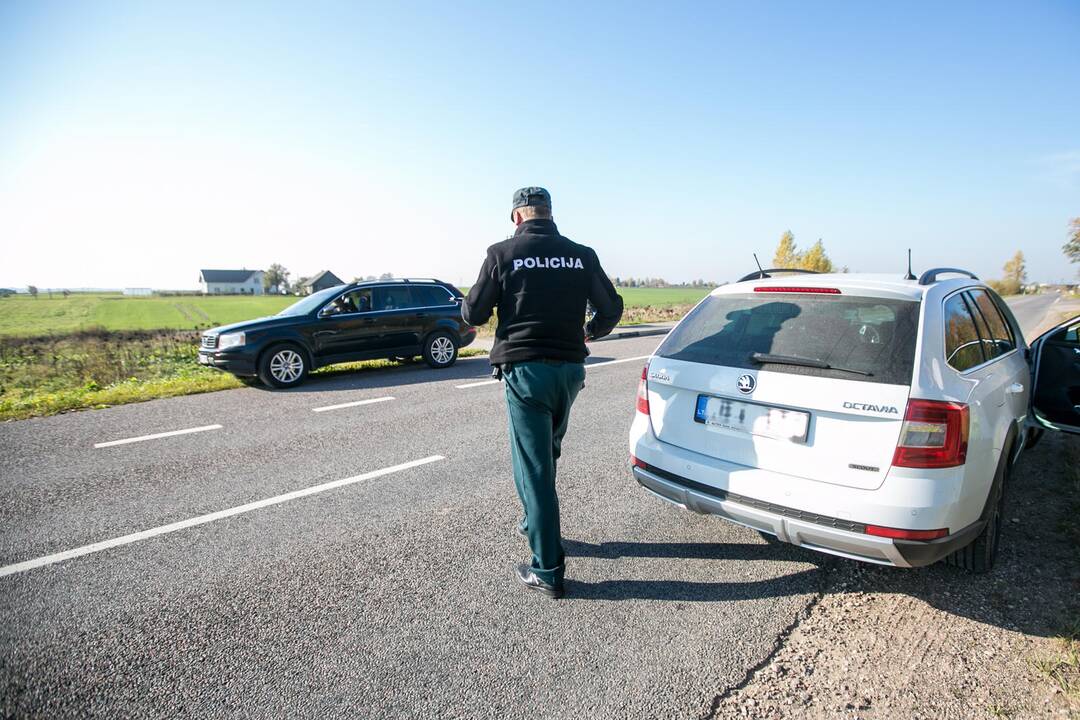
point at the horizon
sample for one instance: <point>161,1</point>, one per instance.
<point>140,144</point>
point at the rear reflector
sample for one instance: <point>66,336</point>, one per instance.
<point>934,435</point>
<point>639,463</point>
<point>898,534</point>
<point>643,392</point>
<point>816,290</point>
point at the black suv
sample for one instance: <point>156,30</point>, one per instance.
<point>396,319</point>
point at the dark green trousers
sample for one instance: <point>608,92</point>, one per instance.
<point>538,400</point>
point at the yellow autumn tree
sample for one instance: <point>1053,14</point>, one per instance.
<point>787,255</point>
<point>815,259</point>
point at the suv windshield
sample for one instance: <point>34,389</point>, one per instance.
<point>852,338</point>
<point>311,302</point>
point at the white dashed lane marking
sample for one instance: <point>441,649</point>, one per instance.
<point>357,403</point>
<point>588,366</point>
<point>155,436</point>
<point>211,517</point>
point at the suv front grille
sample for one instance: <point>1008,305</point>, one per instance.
<point>209,341</point>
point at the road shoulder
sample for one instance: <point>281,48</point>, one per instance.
<point>939,643</point>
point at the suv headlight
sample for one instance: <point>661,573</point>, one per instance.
<point>230,340</point>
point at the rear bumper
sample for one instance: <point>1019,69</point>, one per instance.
<point>816,532</point>
<point>467,336</point>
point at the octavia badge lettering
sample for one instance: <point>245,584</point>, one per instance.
<point>746,384</point>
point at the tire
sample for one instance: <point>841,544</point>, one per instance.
<point>980,555</point>
<point>440,350</point>
<point>283,366</point>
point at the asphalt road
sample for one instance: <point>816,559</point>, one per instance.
<point>280,560</point>
<point>386,597</point>
<point>1030,310</point>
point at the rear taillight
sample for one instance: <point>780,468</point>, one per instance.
<point>638,463</point>
<point>643,392</point>
<point>934,435</point>
<point>898,534</point>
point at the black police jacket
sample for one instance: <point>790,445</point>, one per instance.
<point>540,282</point>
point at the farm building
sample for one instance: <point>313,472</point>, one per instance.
<point>321,281</point>
<point>231,282</point>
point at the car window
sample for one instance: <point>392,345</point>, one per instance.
<point>430,296</point>
<point>990,349</point>
<point>999,329</point>
<point>348,303</point>
<point>392,298</point>
<point>868,335</point>
<point>963,346</point>
<point>308,304</point>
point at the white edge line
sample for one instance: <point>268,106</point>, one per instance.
<point>352,404</point>
<point>614,362</point>
<point>587,366</point>
<point>155,436</point>
<point>476,384</point>
<point>203,519</point>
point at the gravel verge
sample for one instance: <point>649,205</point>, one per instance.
<point>937,642</point>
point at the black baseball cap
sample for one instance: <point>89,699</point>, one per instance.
<point>530,196</point>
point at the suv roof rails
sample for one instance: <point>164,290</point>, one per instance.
<point>931,276</point>
<point>761,274</point>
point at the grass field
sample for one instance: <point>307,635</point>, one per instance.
<point>23,315</point>
<point>95,350</point>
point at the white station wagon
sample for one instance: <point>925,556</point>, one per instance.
<point>868,416</point>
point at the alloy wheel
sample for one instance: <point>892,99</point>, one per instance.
<point>286,366</point>
<point>442,350</point>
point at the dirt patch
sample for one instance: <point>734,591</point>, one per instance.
<point>940,643</point>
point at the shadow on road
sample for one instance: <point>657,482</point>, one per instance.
<point>1034,588</point>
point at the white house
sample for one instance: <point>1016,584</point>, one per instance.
<point>231,282</point>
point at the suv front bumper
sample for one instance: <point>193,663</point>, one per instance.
<point>237,363</point>
<point>816,532</point>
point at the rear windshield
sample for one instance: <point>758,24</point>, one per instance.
<point>868,335</point>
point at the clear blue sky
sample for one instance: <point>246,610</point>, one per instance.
<point>142,141</point>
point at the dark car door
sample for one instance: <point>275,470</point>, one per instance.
<point>346,325</point>
<point>396,316</point>
<point>1055,359</point>
<point>430,302</point>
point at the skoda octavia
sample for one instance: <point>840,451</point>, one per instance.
<point>871,417</point>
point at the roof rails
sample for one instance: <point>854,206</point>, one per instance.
<point>761,274</point>
<point>931,276</point>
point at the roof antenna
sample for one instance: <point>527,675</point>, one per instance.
<point>910,275</point>
<point>760,270</point>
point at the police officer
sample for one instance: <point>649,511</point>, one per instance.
<point>540,282</point>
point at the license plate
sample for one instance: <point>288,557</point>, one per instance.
<point>752,418</point>
<point>204,359</point>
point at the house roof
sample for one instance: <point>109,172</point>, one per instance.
<point>226,276</point>
<point>325,274</point>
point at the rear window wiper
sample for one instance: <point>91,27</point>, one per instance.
<point>759,357</point>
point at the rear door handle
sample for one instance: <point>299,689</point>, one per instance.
<point>420,315</point>
<point>1015,389</point>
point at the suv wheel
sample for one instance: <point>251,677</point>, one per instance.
<point>283,366</point>
<point>440,350</point>
<point>979,556</point>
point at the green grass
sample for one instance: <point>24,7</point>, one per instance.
<point>661,297</point>
<point>24,315</point>
<point>46,375</point>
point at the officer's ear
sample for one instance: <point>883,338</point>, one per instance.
<point>517,217</point>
